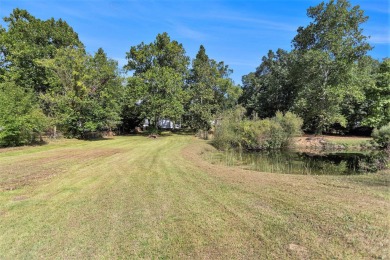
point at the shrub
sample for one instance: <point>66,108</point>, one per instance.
<point>291,126</point>
<point>228,130</point>
<point>274,133</point>
<point>382,136</point>
<point>21,119</point>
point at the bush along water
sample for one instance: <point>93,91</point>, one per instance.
<point>381,137</point>
<point>233,131</point>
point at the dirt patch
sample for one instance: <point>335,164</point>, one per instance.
<point>11,149</point>
<point>314,142</point>
<point>310,142</point>
<point>40,167</point>
<point>340,138</point>
<point>20,198</point>
<point>299,251</point>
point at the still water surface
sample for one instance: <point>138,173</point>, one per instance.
<point>296,162</point>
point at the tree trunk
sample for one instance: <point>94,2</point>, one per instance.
<point>55,132</point>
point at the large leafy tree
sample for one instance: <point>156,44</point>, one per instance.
<point>45,59</point>
<point>361,82</point>
<point>335,30</point>
<point>85,90</point>
<point>226,92</point>
<point>272,87</point>
<point>378,97</point>
<point>160,94</point>
<point>329,48</point>
<point>21,119</point>
<point>324,78</point>
<point>25,42</point>
<point>28,39</point>
<point>210,90</point>
<point>65,100</point>
<point>161,53</point>
<point>106,90</point>
<point>157,86</point>
<point>203,77</point>
<point>320,93</point>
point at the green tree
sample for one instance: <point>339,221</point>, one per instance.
<point>250,92</point>
<point>163,94</point>
<point>272,87</point>
<point>210,90</point>
<point>162,53</point>
<point>28,39</point>
<point>328,50</point>
<point>21,119</point>
<point>320,93</point>
<point>335,30</point>
<point>226,92</point>
<point>361,81</point>
<point>202,79</point>
<point>85,90</point>
<point>105,84</point>
<point>378,97</point>
<point>67,98</point>
<point>157,86</point>
<point>131,113</point>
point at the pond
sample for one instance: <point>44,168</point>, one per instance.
<point>298,162</point>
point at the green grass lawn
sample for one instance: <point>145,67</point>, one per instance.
<point>135,197</point>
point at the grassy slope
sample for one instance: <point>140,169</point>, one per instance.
<point>147,198</point>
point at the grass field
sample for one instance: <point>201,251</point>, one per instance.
<point>135,197</point>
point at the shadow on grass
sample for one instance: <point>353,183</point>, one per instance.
<point>22,146</point>
<point>379,179</point>
<point>99,139</point>
<point>163,133</point>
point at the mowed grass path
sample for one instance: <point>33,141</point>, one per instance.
<point>134,197</point>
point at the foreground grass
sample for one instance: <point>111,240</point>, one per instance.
<point>134,197</point>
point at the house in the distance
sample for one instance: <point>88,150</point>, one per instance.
<point>162,124</point>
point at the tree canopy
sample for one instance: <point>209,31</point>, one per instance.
<point>159,69</point>
<point>210,90</point>
<point>28,39</point>
<point>45,62</point>
<point>327,78</point>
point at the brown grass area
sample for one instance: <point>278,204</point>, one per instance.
<point>42,166</point>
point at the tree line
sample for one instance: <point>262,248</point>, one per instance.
<point>50,84</point>
<point>327,78</point>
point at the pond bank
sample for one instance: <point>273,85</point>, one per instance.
<point>330,142</point>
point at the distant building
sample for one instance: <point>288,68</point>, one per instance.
<point>145,124</point>
<point>163,124</point>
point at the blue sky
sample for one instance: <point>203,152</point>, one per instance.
<point>234,31</point>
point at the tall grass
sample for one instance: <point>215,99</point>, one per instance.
<point>234,131</point>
